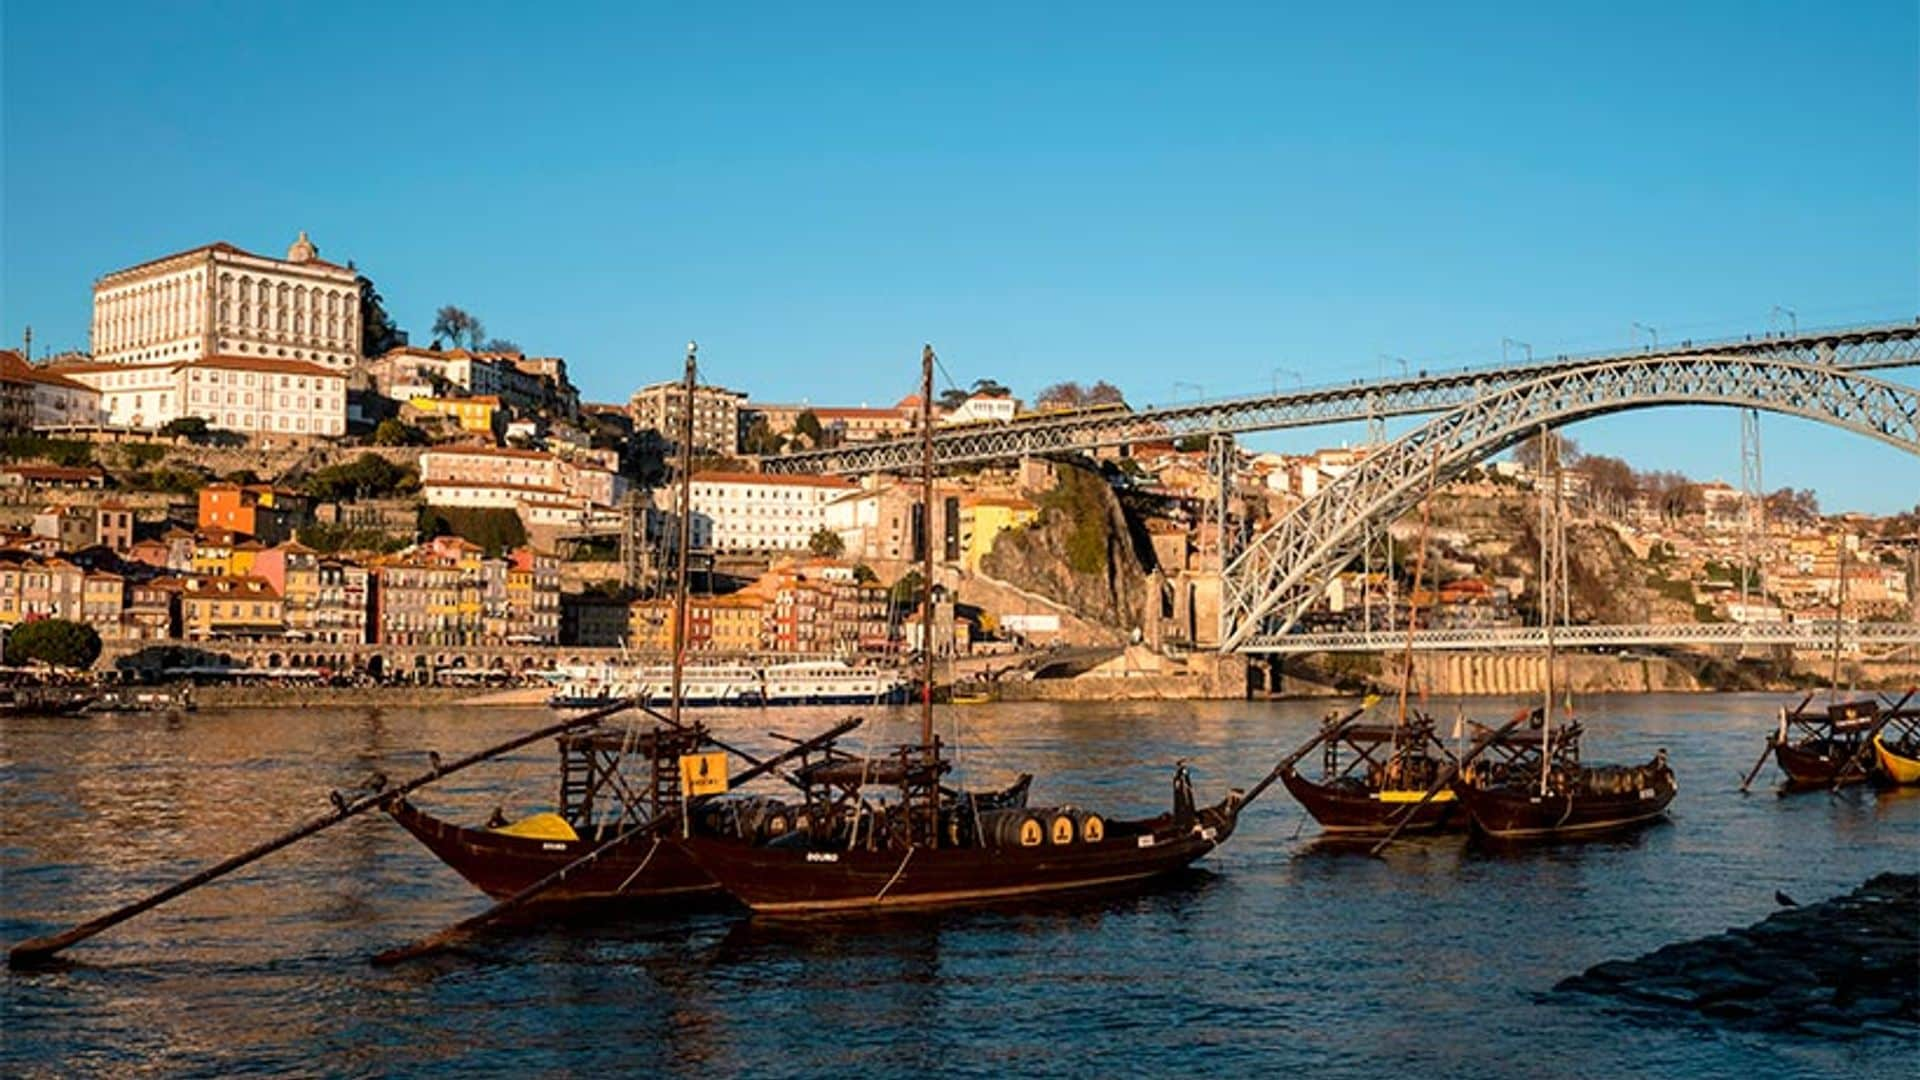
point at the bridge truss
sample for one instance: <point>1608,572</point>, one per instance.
<point>1286,569</point>
<point>1863,348</point>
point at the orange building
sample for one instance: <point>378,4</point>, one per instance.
<point>258,510</point>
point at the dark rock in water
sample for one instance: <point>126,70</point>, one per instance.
<point>1844,968</point>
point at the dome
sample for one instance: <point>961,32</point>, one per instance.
<point>303,249</point>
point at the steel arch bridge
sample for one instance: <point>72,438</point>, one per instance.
<point>1285,570</point>
<point>1860,348</point>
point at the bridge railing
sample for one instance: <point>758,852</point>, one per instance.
<point>1811,634</point>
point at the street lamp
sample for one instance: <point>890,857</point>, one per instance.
<point>1793,320</point>
<point>1199,392</point>
<point>1652,334</point>
<point>1507,342</point>
<point>1298,382</point>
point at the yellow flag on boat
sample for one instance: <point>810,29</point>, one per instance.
<point>703,774</point>
<point>1370,701</point>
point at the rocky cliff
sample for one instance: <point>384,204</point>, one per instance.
<point>1080,552</point>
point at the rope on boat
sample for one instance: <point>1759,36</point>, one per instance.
<point>638,870</point>
<point>901,869</point>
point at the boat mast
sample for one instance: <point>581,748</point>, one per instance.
<point>685,533</point>
<point>1839,621</point>
<point>1549,593</point>
<point>1413,597</point>
<point>926,538</point>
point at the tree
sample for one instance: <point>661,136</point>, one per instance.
<point>493,528</point>
<point>1787,504</point>
<point>1061,395</point>
<point>826,543</point>
<point>188,427</point>
<point>392,432</point>
<point>952,397</point>
<point>762,439</point>
<point>455,326</point>
<point>863,573</point>
<point>1530,453</point>
<point>1611,482</point>
<point>243,476</point>
<point>501,344</point>
<point>368,476</point>
<point>809,425</point>
<point>377,330</point>
<point>58,642</point>
<point>1071,395</point>
<point>906,592</point>
<point>988,386</point>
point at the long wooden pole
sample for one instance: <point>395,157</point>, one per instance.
<point>926,607</point>
<point>685,533</point>
<point>1327,731</point>
<point>926,535</point>
<point>40,949</point>
<point>440,940</point>
<point>1479,747</point>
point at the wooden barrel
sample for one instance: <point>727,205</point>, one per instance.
<point>1061,827</point>
<point>1012,828</point>
<point>1093,828</point>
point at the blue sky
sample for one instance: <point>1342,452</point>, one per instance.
<point>1156,195</point>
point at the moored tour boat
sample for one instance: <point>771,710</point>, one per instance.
<point>1896,748</point>
<point>1825,747</point>
<point>1534,786</point>
<point>856,853</point>
<point>1374,775</point>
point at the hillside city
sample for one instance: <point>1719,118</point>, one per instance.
<point>253,454</point>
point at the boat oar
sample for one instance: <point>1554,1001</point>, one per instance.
<point>1447,774</point>
<point>1327,731</point>
<point>40,949</point>
<point>1758,765</point>
<point>440,940</point>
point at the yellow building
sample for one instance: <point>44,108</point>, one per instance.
<point>737,622</point>
<point>471,413</point>
<point>230,607</point>
<point>213,553</point>
<point>983,518</point>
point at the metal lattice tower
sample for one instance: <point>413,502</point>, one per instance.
<point>1753,504</point>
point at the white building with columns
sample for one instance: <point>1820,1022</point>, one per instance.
<point>218,300</point>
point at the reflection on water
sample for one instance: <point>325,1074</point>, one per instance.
<point>1282,951</point>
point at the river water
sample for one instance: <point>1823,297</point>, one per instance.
<point>1277,954</point>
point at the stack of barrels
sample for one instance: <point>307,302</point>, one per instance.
<point>1036,826</point>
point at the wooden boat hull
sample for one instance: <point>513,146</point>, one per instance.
<point>1817,764</point>
<point>799,880</point>
<point>1896,767</point>
<point>501,865</point>
<point>1358,811</point>
<point>1522,813</point>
